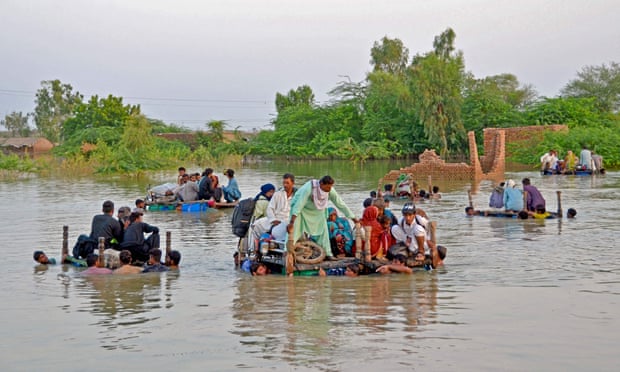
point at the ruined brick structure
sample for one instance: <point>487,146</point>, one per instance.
<point>491,165</point>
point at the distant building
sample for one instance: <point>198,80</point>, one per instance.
<point>25,146</point>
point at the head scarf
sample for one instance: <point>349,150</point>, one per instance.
<point>319,196</point>
<point>264,189</point>
<point>510,184</point>
<point>369,217</point>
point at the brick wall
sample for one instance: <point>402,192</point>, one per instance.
<point>491,166</point>
<point>531,134</point>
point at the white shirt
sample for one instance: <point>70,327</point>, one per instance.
<point>402,231</point>
<point>549,158</point>
<point>279,206</point>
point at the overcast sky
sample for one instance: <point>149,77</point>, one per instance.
<point>190,61</point>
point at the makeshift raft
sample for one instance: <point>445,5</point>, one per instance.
<point>107,257</point>
<point>504,214</point>
<point>586,172</point>
<point>275,260</point>
<point>193,206</point>
<point>162,198</point>
<point>305,257</point>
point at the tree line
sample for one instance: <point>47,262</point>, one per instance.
<point>407,104</point>
<point>106,135</point>
<point>404,105</point>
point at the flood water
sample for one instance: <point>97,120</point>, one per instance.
<point>513,295</point>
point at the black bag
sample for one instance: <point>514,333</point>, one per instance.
<point>84,246</point>
<point>396,249</point>
<point>242,216</point>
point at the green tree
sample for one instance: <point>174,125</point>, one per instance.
<point>295,126</point>
<point>390,113</point>
<point>507,86</point>
<point>601,82</point>
<point>98,120</point>
<point>443,44</point>
<point>389,55</point>
<point>349,93</point>
<point>303,95</point>
<point>568,110</point>
<point>436,80</point>
<point>494,101</point>
<point>16,123</point>
<point>55,102</point>
<point>137,136</point>
<point>216,130</point>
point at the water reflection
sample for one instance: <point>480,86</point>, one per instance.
<point>124,304</point>
<point>313,320</point>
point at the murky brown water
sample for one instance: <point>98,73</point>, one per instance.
<point>514,295</point>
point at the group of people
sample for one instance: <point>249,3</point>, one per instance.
<point>406,187</point>
<point>95,265</point>
<point>506,196</point>
<point>588,160</point>
<point>205,186</point>
<point>304,212</point>
<point>127,237</point>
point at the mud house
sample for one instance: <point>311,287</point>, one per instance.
<point>25,146</point>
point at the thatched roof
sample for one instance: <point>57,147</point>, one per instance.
<point>20,141</point>
<point>25,145</point>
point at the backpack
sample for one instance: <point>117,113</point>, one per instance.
<point>241,217</point>
<point>84,246</point>
<point>396,249</point>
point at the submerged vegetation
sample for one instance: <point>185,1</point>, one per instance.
<point>403,106</point>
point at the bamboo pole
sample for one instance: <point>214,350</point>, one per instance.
<point>101,249</point>
<point>358,240</point>
<point>289,256</point>
<point>430,184</point>
<point>65,243</point>
<point>559,193</point>
<point>471,201</point>
<point>525,201</point>
<point>168,245</point>
<point>367,252</point>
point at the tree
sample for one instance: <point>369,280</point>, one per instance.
<point>54,105</point>
<point>443,44</point>
<point>303,95</point>
<point>494,101</point>
<point>216,130</point>
<point>510,91</point>
<point>601,82</point>
<point>389,56</point>
<point>137,136</point>
<point>570,111</point>
<point>348,92</point>
<point>436,80</point>
<point>98,120</point>
<point>16,123</point>
<point>390,113</point>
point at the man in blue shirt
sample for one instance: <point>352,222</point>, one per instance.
<point>154,264</point>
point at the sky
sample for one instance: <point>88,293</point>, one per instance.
<point>191,61</point>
